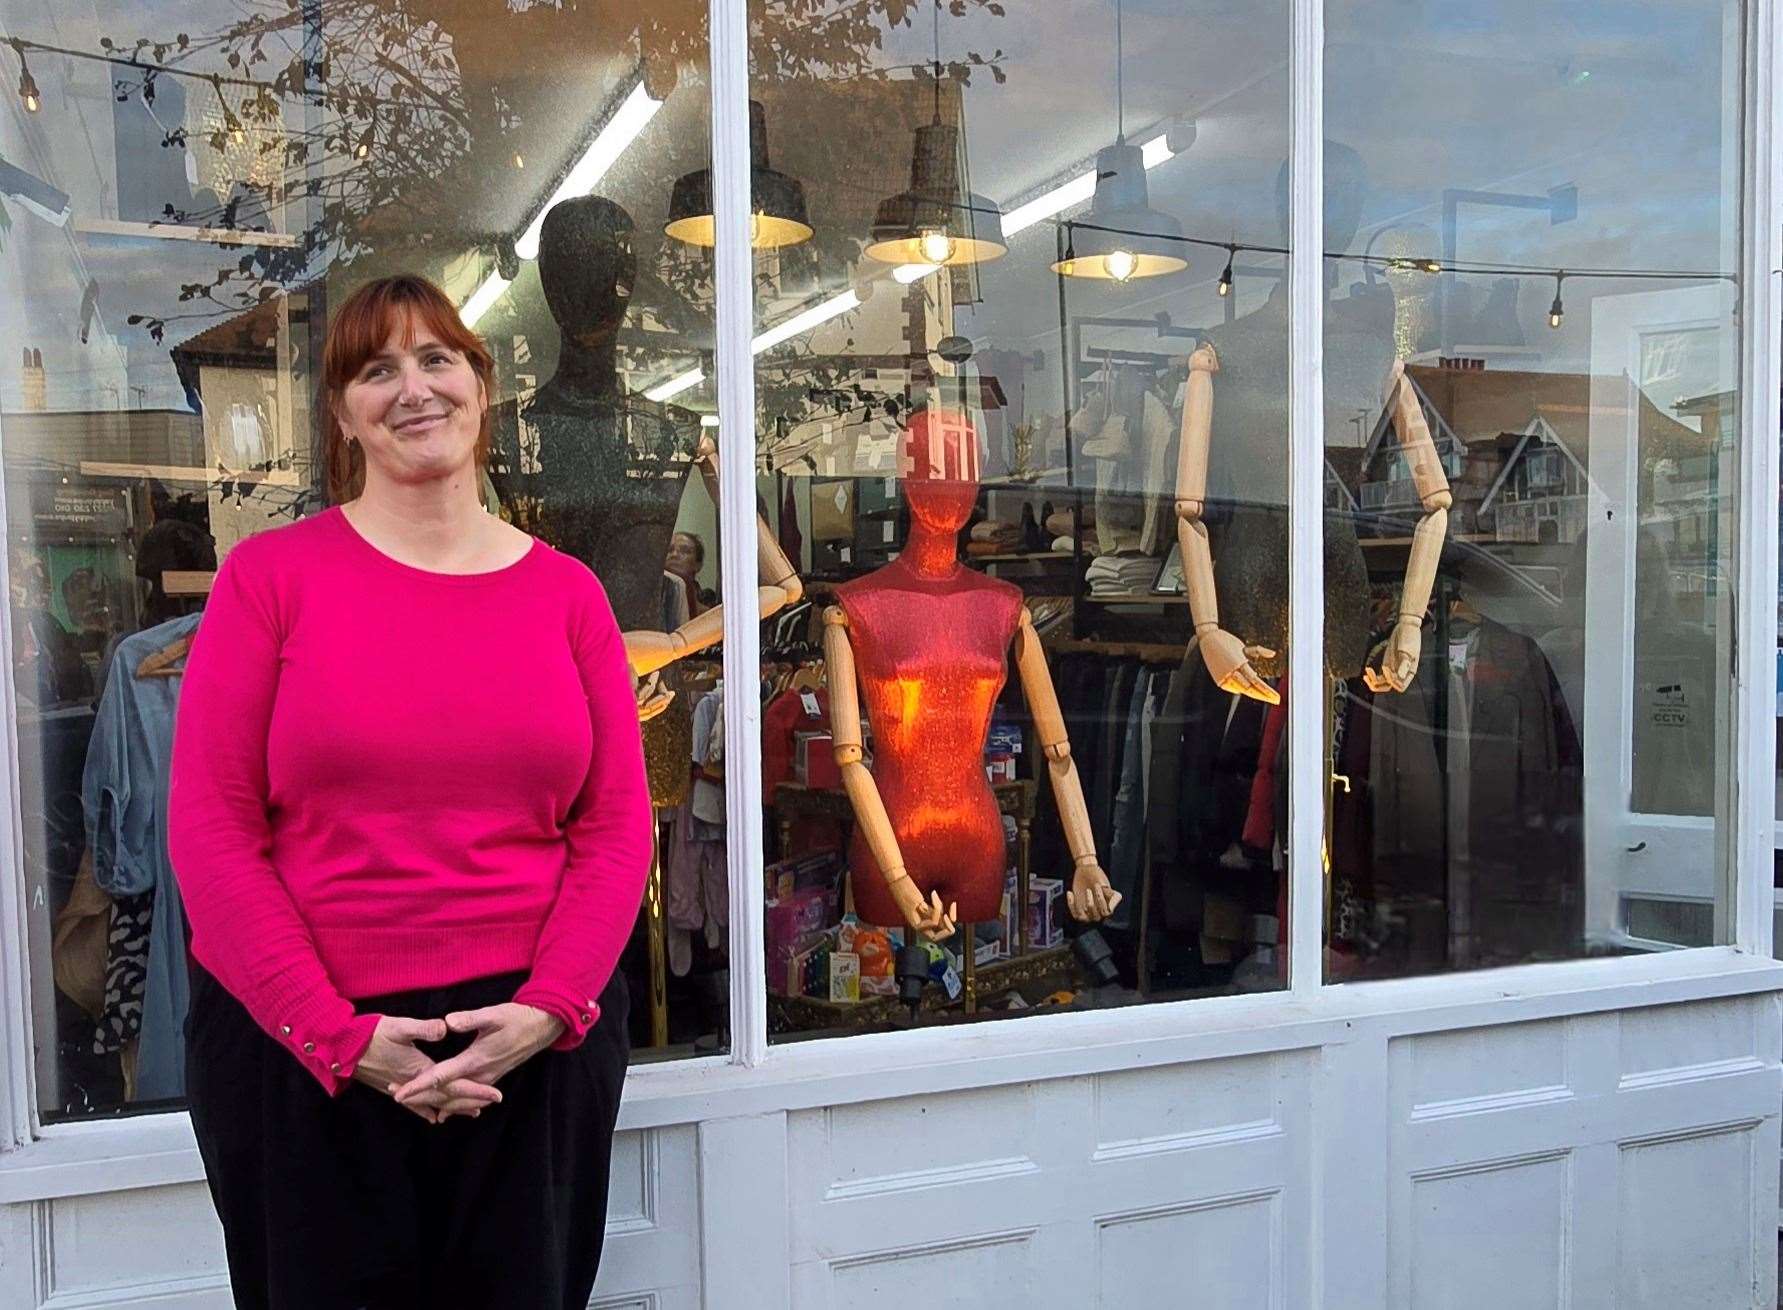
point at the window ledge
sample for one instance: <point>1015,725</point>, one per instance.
<point>159,1150</point>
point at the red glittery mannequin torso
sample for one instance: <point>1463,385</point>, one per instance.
<point>931,640</point>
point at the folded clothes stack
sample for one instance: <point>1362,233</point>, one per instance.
<point>992,537</point>
<point>1120,575</point>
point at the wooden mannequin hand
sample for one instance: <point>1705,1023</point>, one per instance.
<point>1399,658</point>
<point>653,697</point>
<point>927,918</point>
<point>508,1035</point>
<point>1229,661</point>
<point>1091,899</point>
<point>391,1060</point>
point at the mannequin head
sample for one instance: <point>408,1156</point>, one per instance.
<point>1346,186</point>
<point>587,267</point>
<point>938,461</point>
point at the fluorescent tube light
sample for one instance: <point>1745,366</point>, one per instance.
<point>1077,191</point>
<point>609,143</point>
<point>676,385</point>
<point>799,323</point>
<point>482,298</point>
<point>804,322</point>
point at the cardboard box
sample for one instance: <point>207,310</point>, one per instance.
<point>1046,909</point>
<point>814,760</point>
<point>845,976</point>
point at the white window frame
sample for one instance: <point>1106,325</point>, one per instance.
<point>39,1161</point>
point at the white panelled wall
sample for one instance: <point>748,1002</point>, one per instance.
<point>1577,1150</point>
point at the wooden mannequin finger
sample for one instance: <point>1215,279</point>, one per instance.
<point>1258,653</point>
<point>1256,688</point>
<point>1114,900</point>
<point>1071,904</point>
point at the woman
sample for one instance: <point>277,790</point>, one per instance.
<point>687,556</point>
<point>408,814</point>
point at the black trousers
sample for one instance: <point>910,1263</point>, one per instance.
<point>354,1203</point>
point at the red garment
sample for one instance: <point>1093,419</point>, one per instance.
<point>783,716</point>
<point>386,779</point>
<point>1259,815</point>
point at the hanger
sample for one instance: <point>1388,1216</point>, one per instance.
<point>156,665</point>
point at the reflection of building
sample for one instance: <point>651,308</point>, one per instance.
<point>253,414</point>
<point>1516,448</point>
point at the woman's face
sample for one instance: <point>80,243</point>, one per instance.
<point>684,556</point>
<point>415,408</point>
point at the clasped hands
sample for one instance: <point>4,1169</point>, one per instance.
<point>506,1037</point>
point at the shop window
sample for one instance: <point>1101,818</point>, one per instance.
<point>1039,230</point>
<point>1543,240</point>
<point>188,193</point>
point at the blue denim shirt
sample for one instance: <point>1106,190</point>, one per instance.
<point>124,793</point>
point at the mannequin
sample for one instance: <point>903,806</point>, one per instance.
<point>1251,353</point>
<point>932,640</point>
<point>615,466</point>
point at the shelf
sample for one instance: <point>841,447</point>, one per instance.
<point>1136,598</point>
<point>222,236</point>
<point>1018,555</point>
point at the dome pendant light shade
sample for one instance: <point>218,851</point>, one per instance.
<point>1126,238</point>
<point>778,201</point>
<point>936,221</point>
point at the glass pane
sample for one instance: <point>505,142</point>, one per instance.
<point>186,199</point>
<point>1532,398</point>
<point>1003,248</point>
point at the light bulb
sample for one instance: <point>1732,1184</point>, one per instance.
<point>1120,264</point>
<point>1226,280</point>
<point>519,160</point>
<point>32,104</point>
<point>936,246</point>
<point>1556,311</point>
<point>28,89</point>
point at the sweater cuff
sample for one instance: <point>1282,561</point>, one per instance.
<point>576,1013</point>
<point>327,1039</point>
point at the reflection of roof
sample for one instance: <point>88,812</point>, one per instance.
<point>250,339</point>
<point>1487,405</point>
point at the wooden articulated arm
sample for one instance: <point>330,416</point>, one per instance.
<point>863,793</point>
<point>780,587</point>
<point>1400,653</point>
<point>1090,896</point>
<point>1228,659</point>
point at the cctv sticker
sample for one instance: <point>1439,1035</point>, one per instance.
<point>1669,708</point>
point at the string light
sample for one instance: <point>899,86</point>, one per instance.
<point>1557,311</point>
<point>28,91</point>
<point>363,149</point>
<point>1226,276</point>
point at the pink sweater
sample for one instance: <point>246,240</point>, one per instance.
<point>385,779</point>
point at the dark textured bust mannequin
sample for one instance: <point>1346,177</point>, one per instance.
<point>1247,465</point>
<point>612,466</point>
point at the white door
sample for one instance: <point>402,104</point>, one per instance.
<point>1657,616</point>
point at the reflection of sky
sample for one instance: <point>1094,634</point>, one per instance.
<point>1630,103</point>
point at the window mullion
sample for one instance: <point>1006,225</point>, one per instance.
<point>1308,690</point>
<point>735,375</point>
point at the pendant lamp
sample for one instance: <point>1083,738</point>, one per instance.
<point>937,221</point>
<point>1122,237</point>
<point>778,201</point>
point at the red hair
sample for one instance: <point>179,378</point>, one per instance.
<point>358,330</point>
